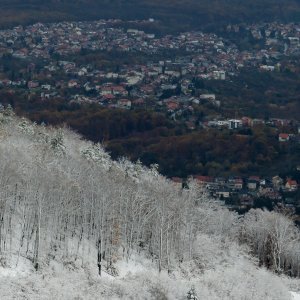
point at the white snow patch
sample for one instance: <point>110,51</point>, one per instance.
<point>13,269</point>
<point>134,266</point>
<point>295,296</point>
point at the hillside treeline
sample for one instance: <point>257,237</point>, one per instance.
<point>173,15</point>
<point>152,137</point>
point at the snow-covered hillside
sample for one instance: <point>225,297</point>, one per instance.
<point>76,225</point>
<point>139,279</point>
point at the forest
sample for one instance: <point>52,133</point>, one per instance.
<point>173,15</point>
<point>259,94</point>
<point>65,202</point>
<point>152,137</point>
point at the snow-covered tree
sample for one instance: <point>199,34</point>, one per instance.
<point>191,295</point>
<point>57,143</point>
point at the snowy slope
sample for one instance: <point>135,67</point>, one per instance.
<point>64,203</point>
<point>139,279</point>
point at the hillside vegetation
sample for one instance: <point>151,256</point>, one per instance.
<point>181,15</point>
<point>75,224</point>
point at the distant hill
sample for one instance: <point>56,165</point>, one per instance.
<point>174,14</point>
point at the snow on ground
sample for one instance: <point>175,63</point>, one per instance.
<point>139,279</point>
<point>295,296</point>
<point>218,272</point>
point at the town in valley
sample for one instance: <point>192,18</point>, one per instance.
<point>170,74</point>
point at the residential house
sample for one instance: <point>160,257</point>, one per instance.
<point>46,87</point>
<point>124,103</point>
<point>119,91</point>
<point>222,193</point>
<point>219,75</point>
<point>172,105</point>
<point>238,184</point>
<point>220,181</point>
<point>72,84</point>
<point>33,84</point>
<point>252,184</point>
<point>177,182</point>
<point>284,137</point>
<point>207,97</point>
<point>291,185</point>
<point>234,123</point>
<point>106,90</point>
<point>206,181</point>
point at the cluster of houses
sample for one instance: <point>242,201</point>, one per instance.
<point>168,84</point>
<point>208,51</point>
<point>289,137</point>
<point>47,49</point>
<point>247,122</point>
<point>239,192</point>
<point>280,39</point>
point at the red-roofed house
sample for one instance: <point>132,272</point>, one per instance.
<point>108,97</point>
<point>119,90</point>
<point>284,137</point>
<point>291,185</point>
<point>33,84</point>
<point>255,178</point>
<point>204,180</point>
<point>139,101</point>
<point>72,84</point>
<point>177,181</point>
<point>172,105</point>
<point>106,91</point>
<point>238,183</point>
